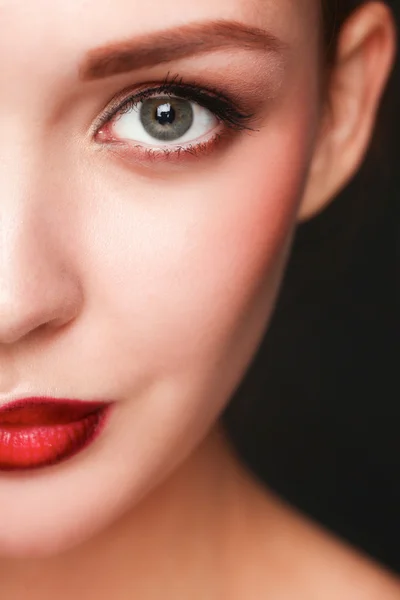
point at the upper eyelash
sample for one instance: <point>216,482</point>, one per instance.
<point>224,108</point>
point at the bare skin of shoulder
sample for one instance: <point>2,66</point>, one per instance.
<point>210,532</point>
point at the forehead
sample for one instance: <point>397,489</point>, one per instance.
<point>41,29</point>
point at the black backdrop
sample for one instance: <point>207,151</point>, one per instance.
<point>318,416</point>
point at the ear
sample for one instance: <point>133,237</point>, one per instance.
<point>362,65</point>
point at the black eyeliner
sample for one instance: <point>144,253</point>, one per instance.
<point>223,107</point>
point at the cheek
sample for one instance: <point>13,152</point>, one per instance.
<point>182,275</point>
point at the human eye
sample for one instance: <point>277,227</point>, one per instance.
<point>171,120</point>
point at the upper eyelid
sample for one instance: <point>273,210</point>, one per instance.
<point>166,87</point>
<point>119,101</point>
<point>169,88</point>
<point>137,98</point>
<point>148,93</point>
<point>111,111</point>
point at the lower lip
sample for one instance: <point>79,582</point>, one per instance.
<point>41,433</point>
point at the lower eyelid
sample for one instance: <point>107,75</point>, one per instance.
<point>132,154</point>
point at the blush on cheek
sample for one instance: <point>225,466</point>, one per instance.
<point>230,268</point>
<point>242,246</point>
<point>256,203</point>
<point>188,264</point>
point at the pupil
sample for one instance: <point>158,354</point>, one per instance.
<point>165,114</point>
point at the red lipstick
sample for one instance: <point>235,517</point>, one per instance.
<point>36,432</point>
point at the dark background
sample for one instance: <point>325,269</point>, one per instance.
<point>318,416</point>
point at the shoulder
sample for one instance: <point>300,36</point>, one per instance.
<point>284,555</point>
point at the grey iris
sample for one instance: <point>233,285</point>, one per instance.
<point>166,119</point>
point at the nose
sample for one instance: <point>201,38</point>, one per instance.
<point>38,286</point>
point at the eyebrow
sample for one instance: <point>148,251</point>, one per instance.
<point>174,44</point>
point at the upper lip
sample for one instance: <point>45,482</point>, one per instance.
<point>21,401</point>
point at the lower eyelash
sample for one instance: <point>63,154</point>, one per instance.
<point>179,153</point>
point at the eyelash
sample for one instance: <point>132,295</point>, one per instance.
<point>224,108</point>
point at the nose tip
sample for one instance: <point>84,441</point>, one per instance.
<point>37,305</point>
<point>24,311</point>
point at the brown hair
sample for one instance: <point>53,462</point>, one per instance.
<point>323,258</point>
<point>335,13</point>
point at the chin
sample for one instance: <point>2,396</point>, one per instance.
<point>43,515</point>
<point>33,541</point>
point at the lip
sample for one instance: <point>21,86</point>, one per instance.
<point>40,431</point>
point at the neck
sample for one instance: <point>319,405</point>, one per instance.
<point>174,539</point>
<point>209,531</point>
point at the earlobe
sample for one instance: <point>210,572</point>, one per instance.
<point>364,58</point>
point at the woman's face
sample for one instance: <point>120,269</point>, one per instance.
<point>141,255</point>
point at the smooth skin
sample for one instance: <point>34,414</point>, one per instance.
<point>150,281</point>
